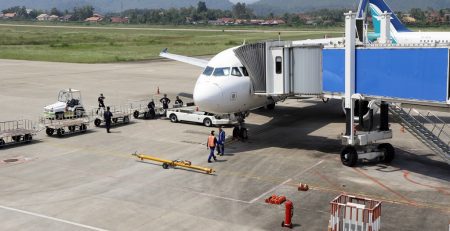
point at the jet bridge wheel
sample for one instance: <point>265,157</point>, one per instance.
<point>388,152</point>
<point>349,156</point>
<point>207,122</point>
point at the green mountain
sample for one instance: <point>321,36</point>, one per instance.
<point>294,6</point>
<point>113,5</point>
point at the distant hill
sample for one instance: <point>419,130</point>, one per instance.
<point>113,5</point>
<point>294,6</point>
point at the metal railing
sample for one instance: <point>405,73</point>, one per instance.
<point>432,122</point>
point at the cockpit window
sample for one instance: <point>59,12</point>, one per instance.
<point>222,71</point>
<point>208,71</point>
<point>235,72</point>
<point>244,71</point>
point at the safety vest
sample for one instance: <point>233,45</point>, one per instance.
<point>211,143</point>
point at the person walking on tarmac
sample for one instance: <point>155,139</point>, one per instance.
<point>151,110</point>
<point>178,102</point>
<point>211,145</point>
<point>108,117</point>
<point>151,105</point>
<point>221,142</point>
<point>165,101</point>
<point>101,102</point>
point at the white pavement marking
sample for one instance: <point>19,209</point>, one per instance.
<point>272,189</point>
<point>224,198</point>
<point>285,182</point>
<point>52,218</point>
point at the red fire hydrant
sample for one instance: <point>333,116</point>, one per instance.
<point>289,212</point>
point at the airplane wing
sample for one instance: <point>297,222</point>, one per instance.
<point>185,59</point>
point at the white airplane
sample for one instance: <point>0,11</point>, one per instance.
<point>224,86</point>
<point>399,33</point>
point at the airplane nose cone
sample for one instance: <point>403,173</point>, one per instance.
<point>207,96</point>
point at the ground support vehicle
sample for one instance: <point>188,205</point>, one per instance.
<point>141,110</point>
<point>65,126</point>
<point>18,131</point>
<point>174,163</point>
<point>69,105</point>
<point>121,115</point>
<point>190,114</point>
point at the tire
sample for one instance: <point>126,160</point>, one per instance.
<point>83,128</point>
<point>271,106</point>
<point>146,115</point>
<point>173,118</point>
<point>16,138</point>
<point>388,152</point>
<point>151,114</point>
<point>349,156</point>
<point>72,128</point>
<point>2,143</point>
<point>126,119</point>
<point>60,132</point>
<point>207,122</point>
<point>97,122</point>
<point>28,138</point>
<point>49,131</point>
<point>165,165</point>
<point>136,114</point>
<point>244,134</point>
<point>115,120</point>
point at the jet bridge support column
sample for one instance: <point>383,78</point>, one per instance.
<point>361,144</point>
<point>350,25</point>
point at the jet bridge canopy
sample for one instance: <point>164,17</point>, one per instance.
<point>280,68</point>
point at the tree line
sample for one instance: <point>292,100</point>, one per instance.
<point>202,14</point>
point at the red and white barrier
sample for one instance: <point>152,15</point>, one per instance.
<point>352,213</point>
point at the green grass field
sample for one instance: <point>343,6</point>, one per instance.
<point>113,44</point>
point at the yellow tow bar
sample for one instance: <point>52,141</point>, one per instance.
<point>174,163</point>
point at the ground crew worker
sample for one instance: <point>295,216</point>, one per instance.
<point>101,102</point>
<point>221,142</point>
<point>179,102</point>
<point>211,145</point>
<point>151,109</point>
<point>108,117</point>
<point>165,101</point>
<point>151,105</point>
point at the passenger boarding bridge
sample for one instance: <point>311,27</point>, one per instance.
<point>413,74</point>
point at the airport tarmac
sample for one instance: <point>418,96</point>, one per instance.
<point>91,182</point>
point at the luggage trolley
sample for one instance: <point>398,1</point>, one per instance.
<point>121,115</point>
<point>17,131</point>
<point>65,126</point>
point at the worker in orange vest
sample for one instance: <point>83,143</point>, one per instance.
<point>211,145</point>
